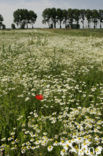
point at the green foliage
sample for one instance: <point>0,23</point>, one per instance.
<point>68,17</point>
<point>58,65</point>
<point>60,16</point>
<point>95,17</point>
<point>23,17</point>
<point>1,20</point>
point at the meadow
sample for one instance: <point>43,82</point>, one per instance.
<point>66,68</point>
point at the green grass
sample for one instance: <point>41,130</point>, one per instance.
<point>66,67</point>
<point>79,33</point>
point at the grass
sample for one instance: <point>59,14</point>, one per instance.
<point>66,67</point>
<point>79,32</point>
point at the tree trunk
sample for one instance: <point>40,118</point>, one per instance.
<point>65,24</point>
<point>54,24</point>
<point>100,25</point>
<point>88,25</point>
<point>60,25</point>
<point>83,24</point>
<point>32,26</point>
<point>77,24</point>
<point>94,25</point>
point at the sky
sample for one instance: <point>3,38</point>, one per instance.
<point>7,7</point>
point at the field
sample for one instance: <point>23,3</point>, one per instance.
<point>66,68</point>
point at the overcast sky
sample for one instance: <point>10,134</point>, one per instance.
<point>7,7</point>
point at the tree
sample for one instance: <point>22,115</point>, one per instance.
<point>65,17</point>
<point>32,17</point>
<point>1,20</point>
<point>88,16</point>
<point>101,17</point>
<point>23,25</point>
<point>54,16</point>
<point>23,17</point>
<point>50,16</point>
<point>95,17</point>
<point>46,16</point>
<point>60,16</point>
<point>82,16</point>
<point>76,16</point>
<point>3,26</point>
<point>70,16</point>
<point>18,17</point>
<point>13,26</point>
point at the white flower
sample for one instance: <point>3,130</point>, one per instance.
<point>20,118</point>
<point>13,133</point>
<point>23,151</point>
<point>66,146</point>
<point>44,142</point>
<point>55,143</point>
<point>3,139</point>
<point>31,140</point>
<point>69,143</point>
<point>63,152</point>
<point>33,147</point>
<point>50,148</point>
<point>10,138</point>
<point>26,99</point>
<point>27,132</point>
<point>98,150</point>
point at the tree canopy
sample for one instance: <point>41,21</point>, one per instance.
<point>72,17</point>
<point>23,17</point>
<point>2,26</point>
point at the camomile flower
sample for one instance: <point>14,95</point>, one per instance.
<point>50,148</point>
<point>63,152</point>
<point>23,151</point>
<point>55,143</point>
<point>26,99</point>
<point>98,150</point>
<point>3,139</point>
<point>66,146</point>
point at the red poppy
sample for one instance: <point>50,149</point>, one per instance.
<point>39,97</point>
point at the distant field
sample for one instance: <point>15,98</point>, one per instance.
<point>66,68</point>
<point>79,32</point>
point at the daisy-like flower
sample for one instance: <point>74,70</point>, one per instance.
<point>33,147</point>
<point>26,99</point>
<point>23,151</point>
<point>3,139</point>
<point>69,143</point>
<point>98,150</point>
<point>63,152</point>
<point>50,148</point>
<point>55,143</point>
<point>66,146</point>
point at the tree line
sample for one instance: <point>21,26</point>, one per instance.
<point>2,26</point>
<point>70,18</point>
